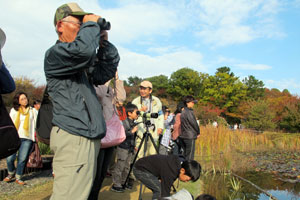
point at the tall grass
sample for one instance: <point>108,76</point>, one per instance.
<point>220,146</point>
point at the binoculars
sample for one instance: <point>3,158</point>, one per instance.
<point>104,25</point>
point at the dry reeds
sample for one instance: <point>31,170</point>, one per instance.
<point>220,146</point>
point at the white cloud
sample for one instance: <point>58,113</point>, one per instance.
<point>141,65</point>
<point>291,84</point>
<point>141,22</point>
<point>229,22</point>
<point>162,50</point>
<point>297,3</point>
<point>143,31</point>
<point>241,64</point>
<point>30,33</point>
<point>253,66</point>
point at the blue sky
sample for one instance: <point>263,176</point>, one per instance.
<point>260,38</point>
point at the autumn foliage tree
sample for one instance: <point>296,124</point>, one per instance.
<point>224,90</point>
<point>24,84</point>
<point>259,116</point>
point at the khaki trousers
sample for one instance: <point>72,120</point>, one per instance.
<point>74,164</point>
<point>150,148</point>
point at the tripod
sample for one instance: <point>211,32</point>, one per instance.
<point>145,138</point>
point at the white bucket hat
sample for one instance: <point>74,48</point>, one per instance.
<point>2,38</point>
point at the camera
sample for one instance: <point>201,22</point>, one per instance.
<point>147,115</point>
<point>104,25</point>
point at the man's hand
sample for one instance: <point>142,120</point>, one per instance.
<point>92,17</point>
<point>103,36</point>
<point>159,131</point>
<point>116,75</point>
<point>144,108</point>
<point>198,136</point>
<point>134,129</point>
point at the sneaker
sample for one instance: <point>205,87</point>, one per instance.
<point>20,182</point>
<point>128,186</point>
<point>9,178</point>
<point>116,189</point>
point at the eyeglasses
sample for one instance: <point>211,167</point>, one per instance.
<point>72,22</point>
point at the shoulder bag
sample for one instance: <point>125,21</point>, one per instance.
<point>44,119</point>
<point>35,158</point>
<point>115,132</point>
<point>9,137</point>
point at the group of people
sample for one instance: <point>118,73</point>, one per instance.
<point>79,69</point>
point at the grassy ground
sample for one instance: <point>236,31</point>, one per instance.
<point>37,192</point>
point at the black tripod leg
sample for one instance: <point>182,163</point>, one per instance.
<point>146,135</point>
<point>145,142</point>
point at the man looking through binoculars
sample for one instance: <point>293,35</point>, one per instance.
<point>147,103</point>
<point>82,57</point>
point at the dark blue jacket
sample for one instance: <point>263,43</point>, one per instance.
<point>71,69</point>
<point>7,83</point>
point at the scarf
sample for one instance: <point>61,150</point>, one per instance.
<point>26,122</point>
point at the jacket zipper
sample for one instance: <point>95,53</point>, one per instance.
<point>87,110</point>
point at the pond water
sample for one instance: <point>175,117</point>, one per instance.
<point>280,194</point>
<point>228,187</point>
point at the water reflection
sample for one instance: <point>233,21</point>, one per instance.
<point>280,194</point>
<point>227,187</point>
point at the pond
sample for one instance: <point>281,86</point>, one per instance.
<point>229,187</point>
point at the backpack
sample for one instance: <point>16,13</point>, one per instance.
<point>9,137</point>
<point>44,119</point>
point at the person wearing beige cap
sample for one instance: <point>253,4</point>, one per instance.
<point>148,103</point>
<point>81,58</point>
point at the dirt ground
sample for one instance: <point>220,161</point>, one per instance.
<point>43,192</point>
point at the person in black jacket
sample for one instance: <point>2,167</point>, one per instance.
<point>158,172</point>
<point>190,130</point>
<point>125,150</point>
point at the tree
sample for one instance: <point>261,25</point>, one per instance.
<point>185,81</point>
<point>24,84</point>
<point>225,70</point>
<point>224,90</point>
<point>286,91</point>
<point>207,113</point>
<point>259,116</point>
<point>134,81</point>
<point>255,88</point>
<point>291,118</point>
<point>160,85</point>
